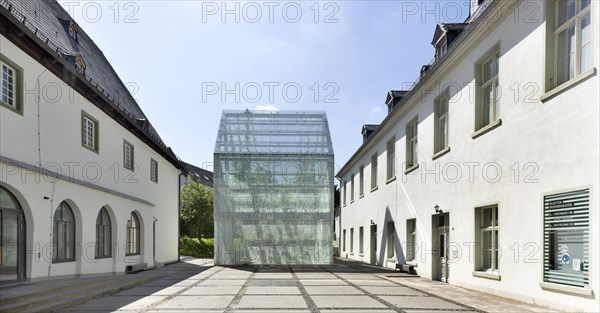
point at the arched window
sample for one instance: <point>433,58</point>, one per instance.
<point>64,234</point>
<point>103,235</point>
<point>133,235</point>
<point>12,238</point>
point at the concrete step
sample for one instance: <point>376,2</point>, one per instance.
<point>62,298</point>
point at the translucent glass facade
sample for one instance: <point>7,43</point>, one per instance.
<point>273,188</point>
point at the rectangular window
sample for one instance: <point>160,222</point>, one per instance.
<point>391,230</point>
<point>11,86</point>
<point>411,143</point>
<point>128,160</point>
<point>351,188</point>
<point>153,170</point>
<point>391,158</point>
<point>344,194</point>
<point>351,240</point>
<point>487,238</point>
<point>89,132</point>
<point>441,123</point>
<point>374,171</point>
<point>566,238</point>
<point>344,240</point>
<point>411,239</point>
<point>487,100</point>
<point>572,39</point>
<point>361,181</point>
<point>361,245</point>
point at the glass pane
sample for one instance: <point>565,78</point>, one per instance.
<point>487,259</point>
<point>487,71</point>
<point>586,44</point>
<point>584,4</point>
<point>9,244</point>
<point>566,55</point>
<point>486,101</point>
<point>487,218</point>
<point>7,201</point>
<point>566,11</point>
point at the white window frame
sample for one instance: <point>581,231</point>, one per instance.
<point>89,132</point>
<point>391,159</point>
<point>493,244</point>
<point>391,234</point>
<point>153,170</point>
<point>411,239</point>
<point>361,237</point>
<point>489,105</point>
<point>441,118</point>
<point>412,148</point>
<point>351,188</point>
<point>361,181</point>
<point>8,85</point>
<point>344,194</point>
<point>574,21</point>
<point>374,167</point>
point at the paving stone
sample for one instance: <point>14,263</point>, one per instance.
<point>372,282</point>
<point>355,311</point>
<point>118,303</point>
<point>222,282</point>
<point>359,302</point>
<point>272,302</point>
<point>439,311</point>
<point>394,291</point>
<point>261,275</point>
<point>314,275</point>
<point>197,302</point>
<point>272,282</point>
<point>272,290</point>
<point>426,302</point>
<point>150,291</point>
<point>212,290</point>
<point>325,282</point>
<point>332,290</point>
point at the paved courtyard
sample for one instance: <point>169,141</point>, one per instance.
<point>342,287</point>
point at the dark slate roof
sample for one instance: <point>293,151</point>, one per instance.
<point>50,22</point>
<point>443,28</point>
<point>200,175</point>
<point>369,127</point>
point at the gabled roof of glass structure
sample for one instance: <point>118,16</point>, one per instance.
<point>273,132</point>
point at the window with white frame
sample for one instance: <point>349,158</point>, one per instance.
<point>351,240</point>
<point>361,181</point>
<point>374,171</point>
<point>351,188</point>
<point>411,239</point>
<point>344,194</point>
<point>103,235</point>
<point>572,39</point>
<point>361,245</point>
<point>391,158</point>
<point>89,132</point>
<point>128,155</point>
<point>487,238</point>
<point>133,235</point>
<point>11,88</point>
<point>441,123</point>
<point>63,234</point>
<point>344,240</point>
<point>487,110</point>
<point>391,234</point>
<point>153,170</point>
<point>411,143</point>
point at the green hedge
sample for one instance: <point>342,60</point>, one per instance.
<point>199,249</point>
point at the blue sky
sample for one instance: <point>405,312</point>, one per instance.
<point>186,61</point>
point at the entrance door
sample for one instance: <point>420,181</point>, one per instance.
<point>373,246</point>
<point>441,235</point>
<point>12,235</point>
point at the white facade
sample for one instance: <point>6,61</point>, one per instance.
<point>545,141</point>
<point>44,138</point>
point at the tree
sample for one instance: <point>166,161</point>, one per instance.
<point>197,209</point>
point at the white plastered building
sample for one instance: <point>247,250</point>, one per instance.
<point>485,173</point>
<point>86,184</point>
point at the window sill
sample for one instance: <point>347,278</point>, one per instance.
<point>391,259</point>
<point>487,128</point>
<point>344,205</point>
<point>91,149</point>
<point>361,254</point>
<point>62,261</point>
<point>412,263</point>
<point>374,188</point>
<point>411,169</point>
<point>568,85</point>
<point>361,196</point>
<point>12,108</point>
<point>103,257</point>
<point>488,275</point>
<point>391,179</point>
<point>132,254</point>
<point>351,201</point>
<point>351,253</point>
<point>579,291</point>
<point>440,153</point>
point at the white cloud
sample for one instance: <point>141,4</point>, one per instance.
<point>266,108</point>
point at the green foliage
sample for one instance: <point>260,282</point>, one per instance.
<point>203,248</point>
<point>197,209</point>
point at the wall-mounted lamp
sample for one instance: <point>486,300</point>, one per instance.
<point>437,209</point>
<point>372,223</point>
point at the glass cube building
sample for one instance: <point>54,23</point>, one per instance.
<point>273,186</point>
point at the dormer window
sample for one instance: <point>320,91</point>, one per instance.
<point>73,30</point>
<point>80,64</point>
<point>441,48</point>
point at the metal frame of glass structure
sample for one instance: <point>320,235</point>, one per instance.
<point>273,188</point>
